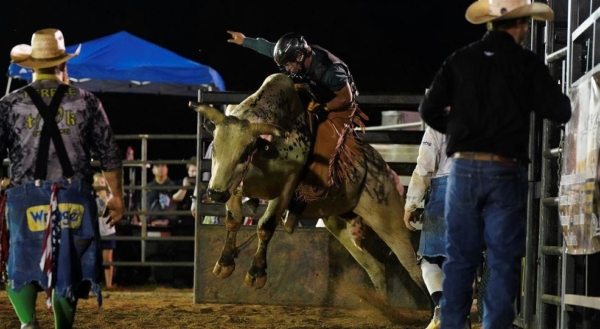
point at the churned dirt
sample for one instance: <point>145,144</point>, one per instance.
<point>175,308</point>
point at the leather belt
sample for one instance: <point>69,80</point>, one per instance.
<point>38,182</point>
<point>478,156</point>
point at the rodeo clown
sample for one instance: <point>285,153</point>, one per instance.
<point>51,130</point>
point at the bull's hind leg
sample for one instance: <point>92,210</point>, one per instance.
<point>233,221</point>
<point>387,222</point>
<point>375,269</point>
<point>399,240</point>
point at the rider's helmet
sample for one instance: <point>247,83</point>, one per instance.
<point>288,48</point>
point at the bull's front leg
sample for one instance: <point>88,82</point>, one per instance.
<point>233,221</point>
<point>257,275</point>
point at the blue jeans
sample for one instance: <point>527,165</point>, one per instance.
<point>27,209</point>
<point>501,190</point>
<point>432,242</point>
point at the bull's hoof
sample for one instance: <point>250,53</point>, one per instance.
<point>289,224</point>
<point>254,282</point>
<point>289,228</point>
<point>223,271</point>
<point>260,282</point>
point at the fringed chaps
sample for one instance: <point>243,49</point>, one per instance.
<point>337,148</point>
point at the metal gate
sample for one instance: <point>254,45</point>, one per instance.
<point>559,289</point>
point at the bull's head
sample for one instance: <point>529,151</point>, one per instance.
<point>233,147</point>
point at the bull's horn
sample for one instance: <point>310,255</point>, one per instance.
<point>209,112</point>
<point>267,129</point>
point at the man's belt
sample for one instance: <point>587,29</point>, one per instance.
<point>478,156</point>
<point>39,182</point>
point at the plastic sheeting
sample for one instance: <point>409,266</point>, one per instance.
<point>578,201</point>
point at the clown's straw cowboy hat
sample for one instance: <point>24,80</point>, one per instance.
<point>47,49</point>
<point>484,11</point>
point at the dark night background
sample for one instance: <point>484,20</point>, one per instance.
<point>390,46</point>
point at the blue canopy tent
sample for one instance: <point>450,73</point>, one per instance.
<point>124,63</point>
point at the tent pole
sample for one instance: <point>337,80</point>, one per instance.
<point>8,86</point>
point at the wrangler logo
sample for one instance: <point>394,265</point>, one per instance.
<point>71,215</point>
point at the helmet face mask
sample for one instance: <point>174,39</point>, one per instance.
<point>289,53</point>
<point>294,67</point>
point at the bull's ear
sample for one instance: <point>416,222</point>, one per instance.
<point>258,129</point>
<point>209,112</point>
<point>209,126</point>
<point>230,108</point>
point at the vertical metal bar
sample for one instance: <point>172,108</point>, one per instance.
<point>549,269</point>
<point>563,285</point>
<point>198,219</point>
<point>531,251</point>
<point>8,86</point>
<point>144,231</point>
<point>570,29</point>
<point>592,58</point>
<point>527,293</point>
<point>567,83</point>
<point>541,308</point>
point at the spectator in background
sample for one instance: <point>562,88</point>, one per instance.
<point>183,197</point>
<point>159,200</point>
<point>160,197</point>
<point>106,231</point>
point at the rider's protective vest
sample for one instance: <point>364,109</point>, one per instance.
<point>320,65</point>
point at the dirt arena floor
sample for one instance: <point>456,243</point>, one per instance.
<point>174,308</point>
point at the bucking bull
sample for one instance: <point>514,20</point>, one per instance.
<point>260,148</point>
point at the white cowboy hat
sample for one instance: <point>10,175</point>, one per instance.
<point>484,11</point>
<point>47,50</point>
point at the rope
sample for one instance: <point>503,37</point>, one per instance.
<point>245,244</point>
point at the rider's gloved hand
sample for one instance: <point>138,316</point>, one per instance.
<point>321,111</point>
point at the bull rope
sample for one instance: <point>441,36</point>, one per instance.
<point>245,244</point>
